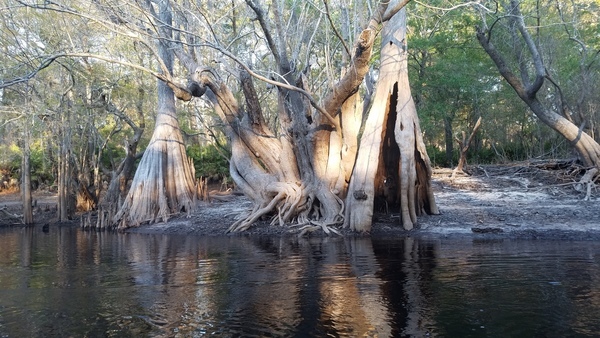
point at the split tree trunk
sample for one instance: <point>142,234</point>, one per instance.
<point>392,163</point>
<point>299,174</point>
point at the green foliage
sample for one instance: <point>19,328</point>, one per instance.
<point>208,161</point>
<point>10,162</point>
<point>450,74</point>
<point>438,157</point>
<point>10,158</point>
<point>112,155</point>
<point>453,79</point>
<point>41,166</point>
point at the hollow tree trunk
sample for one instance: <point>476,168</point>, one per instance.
<point>300,173</point>
<point>164,183</point>
<point>392,162</point>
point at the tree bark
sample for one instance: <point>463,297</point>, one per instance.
<point>65,192</point>
<point>448,138</point>
<point>117,188</point>
<point>392,162</point>
<point>163,184</point>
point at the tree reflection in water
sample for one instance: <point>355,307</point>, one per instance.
<point>77,283</point>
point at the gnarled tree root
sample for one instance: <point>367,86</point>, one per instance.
<point>289,203</point>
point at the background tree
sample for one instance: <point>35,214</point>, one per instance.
<point>75,101</point>
<point>164,183</point>
<point>529,75</point>
<point>449,77</point>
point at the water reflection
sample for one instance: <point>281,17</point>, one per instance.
<point>73,283</point>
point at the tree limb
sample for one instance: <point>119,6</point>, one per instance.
<point>180,91</point>
<point>540,69</point>
<point>45,63</point>
<point>312,101</point>
<point>392,10</point>
<point>503,68</point>
<point>359,65</point>
<point>266,30</point>
<point>335,31</point>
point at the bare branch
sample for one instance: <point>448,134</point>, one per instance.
<point>540,69</point>
<point>501,64</point>
<point>116,26</point>
<point>21,115</point>
<point>260,16</point>
<point>179,89</point>
<point>447,9</point>
<point>313,102</point>
<point>335,31</point>
<point>45,63</point>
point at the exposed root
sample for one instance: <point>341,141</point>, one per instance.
<point>245,224</point>
<point>314,226</point>
<point>340,215</point>
<point>289,202</point>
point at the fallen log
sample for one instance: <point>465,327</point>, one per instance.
<point>19,218</point>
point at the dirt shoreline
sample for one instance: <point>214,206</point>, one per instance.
<point>470,206</point>
<point>494,202</point>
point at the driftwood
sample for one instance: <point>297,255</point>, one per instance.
<point>19,218</point>
<point>551,174</point>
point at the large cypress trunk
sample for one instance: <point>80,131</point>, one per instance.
<point>392,164</point>
<point>299,173</point>
<point>164,183</point>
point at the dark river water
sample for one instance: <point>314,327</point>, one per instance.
<point>69,283</point>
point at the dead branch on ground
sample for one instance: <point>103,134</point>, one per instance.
<point>19,218</point>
